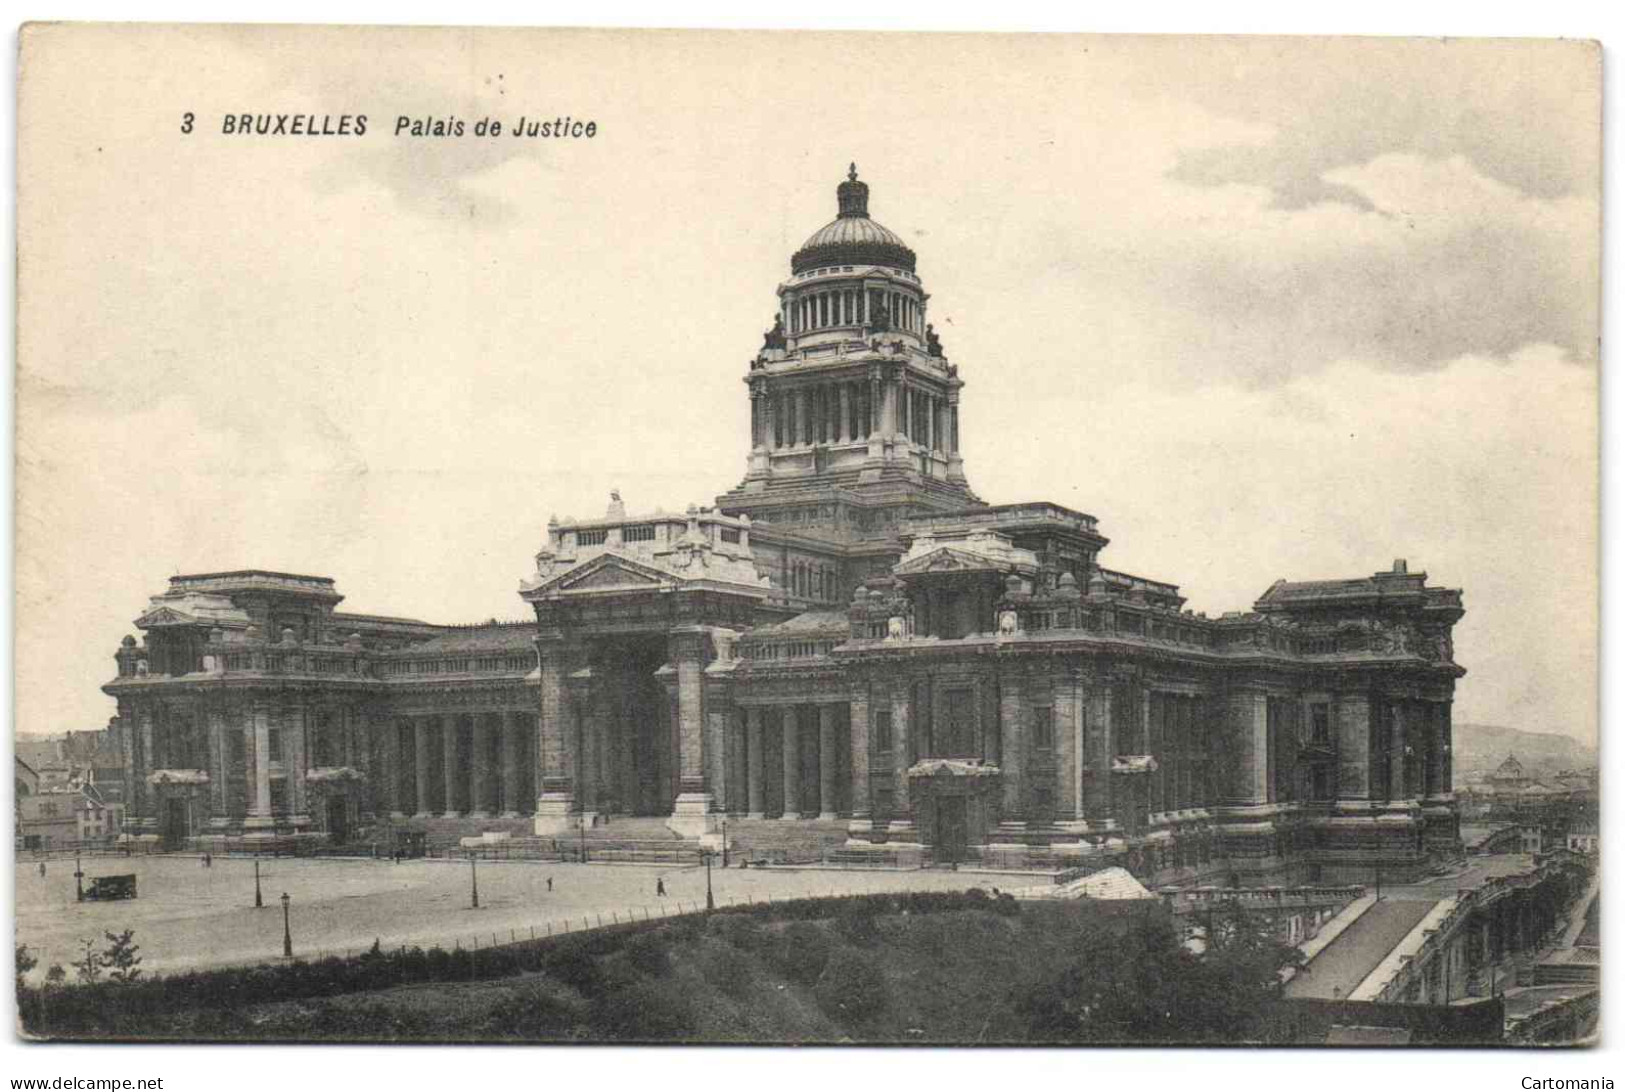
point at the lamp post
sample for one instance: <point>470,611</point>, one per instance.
<point>78,877</point>
<point>287,934</point>
<point>259,900</point>
<point>725,840</point>
<point>581,829</point>
<point>710,899</point>
<point>474,877</point>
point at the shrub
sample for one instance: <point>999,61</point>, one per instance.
<point>851,988</point>
<point>650,953</point>
<point>642,1012</point>
<point>801,952</point>
<point>726,967</point>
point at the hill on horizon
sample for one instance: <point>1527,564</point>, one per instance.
<point>1483,747</point>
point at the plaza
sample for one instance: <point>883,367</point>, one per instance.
<point>188,917</point>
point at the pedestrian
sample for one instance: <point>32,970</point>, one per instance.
<point>550,883</point>
<point>660,883</point>
<point>42,870</point>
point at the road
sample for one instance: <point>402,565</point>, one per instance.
<point>188,916</point>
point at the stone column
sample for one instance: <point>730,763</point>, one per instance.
<point>1099,746</point>
<point>843,430</point>
<point>691,812</point>
<point>217,767</point>
<point>859,717</point>
<point>512,759</point>
<point>901,759</point>
<point>451,769</point>
<point>1013,747</point>
<point>1353,712</point>
<point>259,749</point>
<point>791,747</point>
<point>827,764</point>
<point>1249,742</point>
<point>1448,748</point>
<point>479,774</point>
<point>556,800</point>
<point>295,748</point>
<point>1068,729</point>
<point>1398,783</point>
<point>801,437</point>
<point>423,741</point>
<point>392,769</point>
<point>753,760</point>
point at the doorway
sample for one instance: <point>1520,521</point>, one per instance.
<point>338,820</point>
<point>951,830</point>
<point>175,825</point>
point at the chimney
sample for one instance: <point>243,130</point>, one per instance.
<point>1399,565</point>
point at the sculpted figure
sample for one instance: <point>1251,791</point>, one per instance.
<point>1007,623</point>
<point>774,338</point>
<point>894,628</point>
<point>933,344</point>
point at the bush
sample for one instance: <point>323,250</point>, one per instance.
<point>571,964</point>
<point>801,952</point>
<point>644,1012</point>
<point>726,968</point>
<point>851,988</point>
<point>650,953</point>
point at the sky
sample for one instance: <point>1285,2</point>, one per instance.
<point>1269,308</point>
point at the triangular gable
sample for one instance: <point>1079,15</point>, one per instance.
<point>947,559</point>
<point>609,571</point>
<point>165,616</point>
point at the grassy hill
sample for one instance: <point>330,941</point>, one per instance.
<point>1480,748</point>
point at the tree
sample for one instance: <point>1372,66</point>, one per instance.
<point>89,966</point>
<point>56,975</point>
<point>1145,986</point>
<point>120,959</point>
<point>26,961</point>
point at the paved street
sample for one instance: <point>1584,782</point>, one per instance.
<point>191,916</point>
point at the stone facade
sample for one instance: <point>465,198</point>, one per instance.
<point>849,633</point>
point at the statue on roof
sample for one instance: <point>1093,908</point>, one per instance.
<point>933,344</point>
<point>774,338</point>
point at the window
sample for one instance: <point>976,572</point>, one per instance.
<point>591,538</point>
<point>883,729</point>
<point>729,534</point>
<point>643,532</point>
<point>1044,728</point>
<point>1320,723</point>
<point>274,744</point>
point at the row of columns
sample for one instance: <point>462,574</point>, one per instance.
<point>492,780</point>
<point>845,412</point>
<point>794,724</point>
<point>836,307</point>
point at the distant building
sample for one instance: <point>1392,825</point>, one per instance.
<point>1583,838</point>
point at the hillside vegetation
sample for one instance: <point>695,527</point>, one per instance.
<point>962,969</point>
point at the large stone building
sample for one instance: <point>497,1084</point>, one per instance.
<point>850,635</point>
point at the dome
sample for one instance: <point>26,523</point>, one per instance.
<point>852,238</point>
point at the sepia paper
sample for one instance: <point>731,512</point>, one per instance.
<point>1107,466</point>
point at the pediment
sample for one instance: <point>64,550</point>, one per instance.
<point>610,572</point>
<point>948,560</point>
<point>165,616</point>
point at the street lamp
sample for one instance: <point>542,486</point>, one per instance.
<point>78,876</point>
<point>259,900</point>
<point>581,829</point>
<point>724,840</point>
<point>710,899</point>
<point>474,877</point>
<point>287,935</point>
